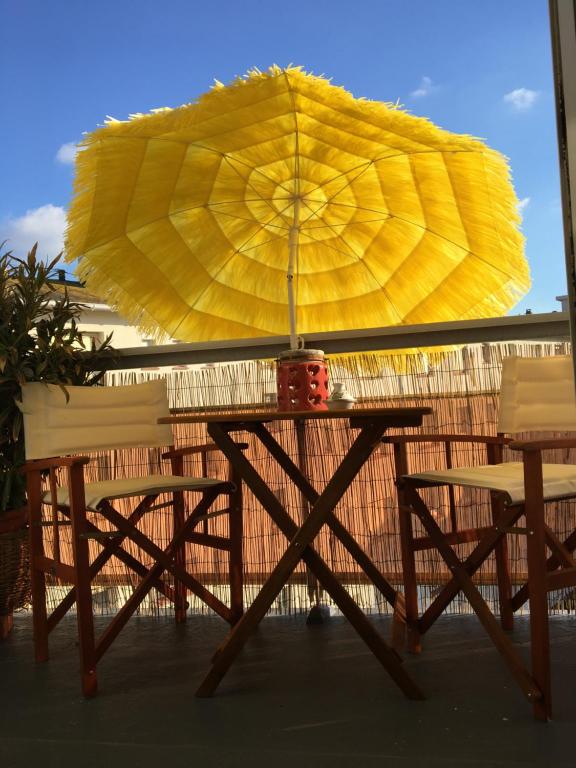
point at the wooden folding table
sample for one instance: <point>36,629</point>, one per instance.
<point>371,424</point>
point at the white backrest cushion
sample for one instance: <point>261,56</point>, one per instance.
<point>537,395</point>
<point>93,418</point>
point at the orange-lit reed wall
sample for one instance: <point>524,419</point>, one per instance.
<point>460,385</point>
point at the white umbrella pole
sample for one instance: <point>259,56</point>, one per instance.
<point>292,258</point>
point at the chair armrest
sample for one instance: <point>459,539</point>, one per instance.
<point>439,438</point>
<point>542,445</point>
<point>187,450</point>
<point>41,465</point>
<point>493,447</point>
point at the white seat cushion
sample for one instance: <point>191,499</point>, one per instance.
<point>559,479</point>
<point>133,486</point>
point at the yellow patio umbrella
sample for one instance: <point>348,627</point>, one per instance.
<point>282,204</point>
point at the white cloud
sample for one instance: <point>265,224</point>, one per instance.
<point>44,225</point>
<point>424,89</point>
<point>67,153</point>
<point>522,204</point>
<point>521,99</point>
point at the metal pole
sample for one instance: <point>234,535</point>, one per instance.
<point>563,31</point>
<point>313,587</point>
<point>292,259</point>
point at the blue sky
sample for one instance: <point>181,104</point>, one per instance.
<point>481,68</point>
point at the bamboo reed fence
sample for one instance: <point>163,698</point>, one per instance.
<point>461,386</point>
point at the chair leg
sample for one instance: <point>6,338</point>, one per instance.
<point>503,570</point>
<point>414,644</point>
<point>83,586</point>
<point>37,574</point>
<point>236,557</point>
<point>537,586</point>
<point>180,592</point>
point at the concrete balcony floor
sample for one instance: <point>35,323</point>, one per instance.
<point>297,696</point>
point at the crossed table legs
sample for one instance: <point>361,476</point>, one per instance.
<point>300,546</point>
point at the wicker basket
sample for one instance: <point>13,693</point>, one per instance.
<point>14,571</point>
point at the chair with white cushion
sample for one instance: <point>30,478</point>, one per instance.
<point>537,395</point>
<point>62,424</point>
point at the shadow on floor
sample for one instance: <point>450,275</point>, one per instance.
<point>298,696</point>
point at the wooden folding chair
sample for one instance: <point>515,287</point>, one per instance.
<point>537,395</point>
<point>60,425</point>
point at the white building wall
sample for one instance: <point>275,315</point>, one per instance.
<point>99,320</point>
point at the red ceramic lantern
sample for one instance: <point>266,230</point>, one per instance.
<point>302,380</point>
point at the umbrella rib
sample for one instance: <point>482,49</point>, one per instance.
<point>351,250</point>
<point>253,168</point>
<point>361,208</point>
<point>235,202</point>
<point>332,247</point>
<point>366,164</point>
<point>207,148</point>
<point>269,223</point>
<point>234,253</point>
<point>257,122</point>
<point>364,169</point>
<point>379,285</point>
<point>425,229</point>
<point>103,139</point>
<point>296,137</point>
<point>224,155</point>
<point>260,199</point>
<point>496,228</point>
<point>340,238</point>
<point>331,226</point>
<point>407,221</point>
<point>363,166</point>
<point>278,214</point>
<point>348,223</point>
<point>390,215</point>
<point>264,200</point>
<point>375,126</point>
<point>244,249</point>
<point>251,221</point>
<point>336,235</point>
<point>370,272</point>
<point>452,242</point>
<point>240,248</point>
<point>219,213</point>
<point>493,267</point>
<point>256,103</point>
<point>211,205</point>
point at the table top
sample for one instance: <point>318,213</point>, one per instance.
<point>401,417</point>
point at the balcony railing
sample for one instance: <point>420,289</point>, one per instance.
<point>552,326</point>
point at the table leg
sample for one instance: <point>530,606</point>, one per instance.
<point>297,550</point>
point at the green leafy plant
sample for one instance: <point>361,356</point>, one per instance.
<point>39,341</point>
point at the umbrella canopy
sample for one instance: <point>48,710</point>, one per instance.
<point>280,203</point>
